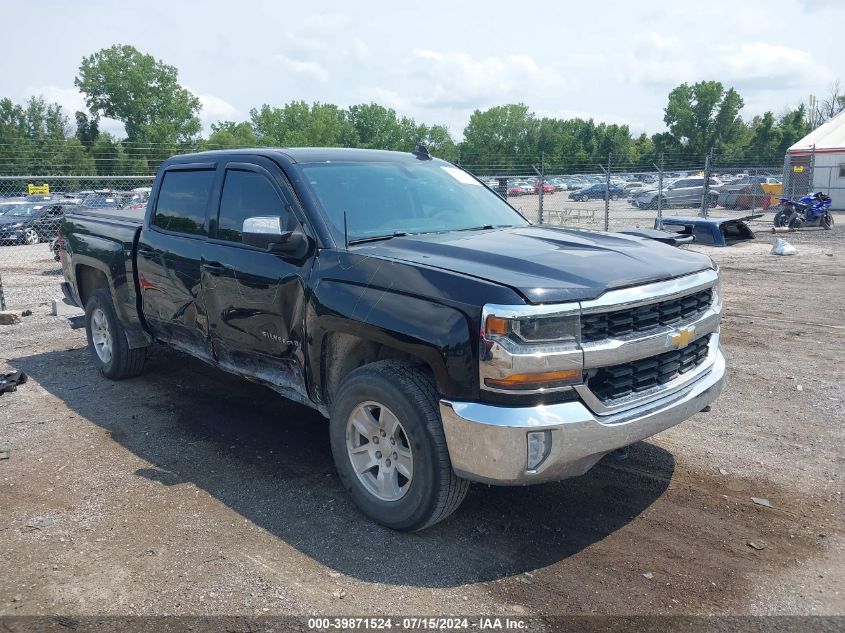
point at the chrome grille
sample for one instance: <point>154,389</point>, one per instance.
<point>617,381</point>
<point>604,325</point>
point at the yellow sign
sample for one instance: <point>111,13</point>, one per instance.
<point>798,169</point>
<point>682,338</point>
<point>38,190</point>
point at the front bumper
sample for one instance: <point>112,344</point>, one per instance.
<point>488,443</point>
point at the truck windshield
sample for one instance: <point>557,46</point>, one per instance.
<point>382,199</point>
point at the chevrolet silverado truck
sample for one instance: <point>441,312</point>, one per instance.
<point>445,337</point>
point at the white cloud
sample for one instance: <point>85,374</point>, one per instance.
<point>326,23</point>
<point>313,70</point>
<point>457,79</point>
<point>214,109</point>
<point>749,66</point>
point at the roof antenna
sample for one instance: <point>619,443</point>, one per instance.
<point>345,232</point>
<point>421,152</point>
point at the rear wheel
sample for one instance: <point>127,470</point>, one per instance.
<point>615,196</point>
<point>389,448</point>
<point>107,339</point>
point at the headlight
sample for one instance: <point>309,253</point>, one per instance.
<point>539,329</point>
<point>528,352</point>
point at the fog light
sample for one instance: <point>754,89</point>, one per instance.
<point>539,447</point>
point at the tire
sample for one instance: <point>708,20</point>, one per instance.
<point>614,197</point>
<point>781,218</point>
<point>653,204</point>
<point>382,392</point>
<point>30,237</point>
<point>827,221</point>
<point>107,339</point>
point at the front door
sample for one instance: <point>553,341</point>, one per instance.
<point>255,298</point>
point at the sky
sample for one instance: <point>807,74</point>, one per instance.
<point>614,61</point>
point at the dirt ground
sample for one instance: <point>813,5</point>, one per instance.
<point>190,491</point>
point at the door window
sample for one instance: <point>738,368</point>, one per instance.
<point>246,194</point>
<point>182,200</point>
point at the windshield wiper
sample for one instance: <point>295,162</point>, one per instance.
<point>485,227</point>
<point>378,238</point>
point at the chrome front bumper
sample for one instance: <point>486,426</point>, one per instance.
<point>488,443</point>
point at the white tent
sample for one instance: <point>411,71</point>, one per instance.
<point>830,136</point>
<point>822,151</point>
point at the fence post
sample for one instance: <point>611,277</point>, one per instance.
<point>542,182</point>
<point>705,196</point>
<point>659,187</point>
<point>2,296</point>
<point>755,182</point>
<point>812,177</point>
<point>607,191</point>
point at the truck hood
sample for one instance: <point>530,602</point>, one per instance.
<point>545,264</point>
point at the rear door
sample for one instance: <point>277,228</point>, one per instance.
<point>169,254</point>
<point>255,298</point>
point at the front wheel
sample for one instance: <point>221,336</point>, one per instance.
<point>615,196</point>
<point>107,339</point>
<point>827,221</point>
<point>30,236</point>
<point>389,448</point>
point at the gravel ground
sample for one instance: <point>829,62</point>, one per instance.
<point>190,491</point>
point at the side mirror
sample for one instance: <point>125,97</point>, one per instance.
<point>266,233</point>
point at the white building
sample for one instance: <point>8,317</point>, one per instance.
<point>822,154</point>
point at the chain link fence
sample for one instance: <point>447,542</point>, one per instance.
<point>31,210</point>
<point>611,197</point>
<point>561,191</point>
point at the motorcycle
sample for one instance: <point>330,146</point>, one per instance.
<point>811,210</point>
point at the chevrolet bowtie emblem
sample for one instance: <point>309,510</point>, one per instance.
<point>681,338</point>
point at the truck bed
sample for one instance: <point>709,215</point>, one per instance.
<point>135,216</point>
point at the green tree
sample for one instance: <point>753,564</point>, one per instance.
<point>374,127</point>
<point>501,139</point>
<point>230,134</point>
<point>765,137</point>
<point>705,116</point>
<point>87,129</point>
<point>122,83</point>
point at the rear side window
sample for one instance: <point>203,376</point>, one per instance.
<point>182,200</point>
<point>246,194</point>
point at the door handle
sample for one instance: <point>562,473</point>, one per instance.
<point>215,268</point>
<point>146,253</point>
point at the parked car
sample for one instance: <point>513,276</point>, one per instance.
<point>632,186</point>
<point>597,192</point>
<point>547,188</point>
<point>105,201</point>
<point>18,224</point>
<point>683,192</point>
<point>444,337</point>
<point>745,196</point>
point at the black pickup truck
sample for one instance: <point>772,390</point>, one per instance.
<point>445,337</point>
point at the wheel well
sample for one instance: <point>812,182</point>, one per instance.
<point>344,353</point>
<point>89,279</point>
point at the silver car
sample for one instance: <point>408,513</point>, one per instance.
<point>683,192</point>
